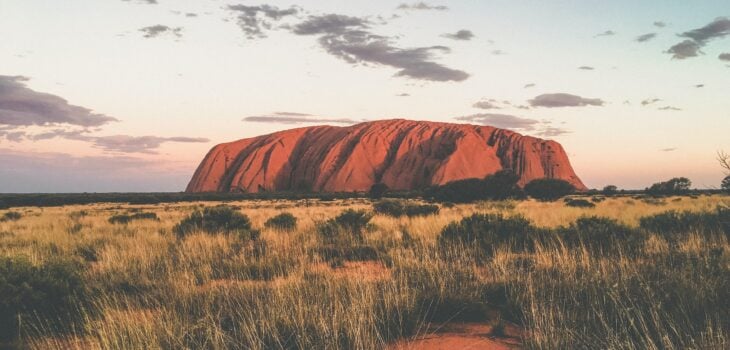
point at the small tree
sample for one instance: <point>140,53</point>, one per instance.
<point>677,185</point>
<point>498,186</point>
<point>378,190</point>
<point>609,190</point>
<point>489,231</point>
<point>213,220</point>
<point>548,189</point>
<point>502,185</point>
<point>282,222</point>
<point>346,227</point>
<point>724,160</point>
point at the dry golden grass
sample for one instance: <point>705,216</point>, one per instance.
<point>152,290</point>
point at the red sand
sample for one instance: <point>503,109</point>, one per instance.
<point>462,336</point>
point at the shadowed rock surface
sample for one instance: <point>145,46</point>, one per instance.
<point>402,154</point>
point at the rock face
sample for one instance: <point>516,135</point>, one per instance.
<point>402,154</point>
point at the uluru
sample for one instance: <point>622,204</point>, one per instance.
<point>402,154</point>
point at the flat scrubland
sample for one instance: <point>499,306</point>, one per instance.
<point>540,275</point>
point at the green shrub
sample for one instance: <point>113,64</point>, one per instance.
<point>219,219</point>
<point>579,203</point>
<point>347,226</point>
<point>601,233</point>
<point>397,208</point>
<point>391,207</point>
<point>421,209</point>
<point>548,189</point>
<point>673,224</point>
<point>498,186</point>
<point>11,216</point>
<point>725,184</point>
<point>354,220</point>
<point>677,185</point>
<point>28,292</point>
<point>609,190</point>
<point>378,190</point>
<point>125,219</point>
<point>490,230</point>
<point>283,222</point>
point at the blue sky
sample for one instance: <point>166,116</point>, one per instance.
<point>159,83</point>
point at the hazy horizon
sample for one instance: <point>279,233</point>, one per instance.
<point>129,96</point>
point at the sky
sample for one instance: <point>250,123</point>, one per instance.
<point>129,95</point>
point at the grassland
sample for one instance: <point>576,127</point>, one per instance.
<point>140,286</point>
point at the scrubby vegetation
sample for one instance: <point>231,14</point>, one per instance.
<point>11,216</point>
<point>347,227</point>
<point>282,222</point>
<point>47,291</point>
<point>378,190</point>
<point>609,190</point>
<point>673,223</point>
<point>581,203</point>
<point>489,231</point>
<point>126,218</point>
<point>220,219</point>
<point>601,233</point>
<point>548,189</point>
<point>498,186</point>
<point>624,274</point>
<point>396,208</point>
<point>675,186</point>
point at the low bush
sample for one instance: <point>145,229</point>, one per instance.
<point>677,185</point>
<point>348,226</point>
<point>125,219</point>
<point>391,207</point>
<point>601,233</point>
<point>673,224</point>
<point>498,186</point>
<point>609,190</point>
<point>30,292</point>
<point>378,190</point>
<point>579,203</point>
<point>548,189</point>
<point>396,208</point>
<point>11,216</point>
<point>283,222</point>
<point>421,209</point>
<point>214,220</point>
<point>725,184</point>
<point>490,230</point>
